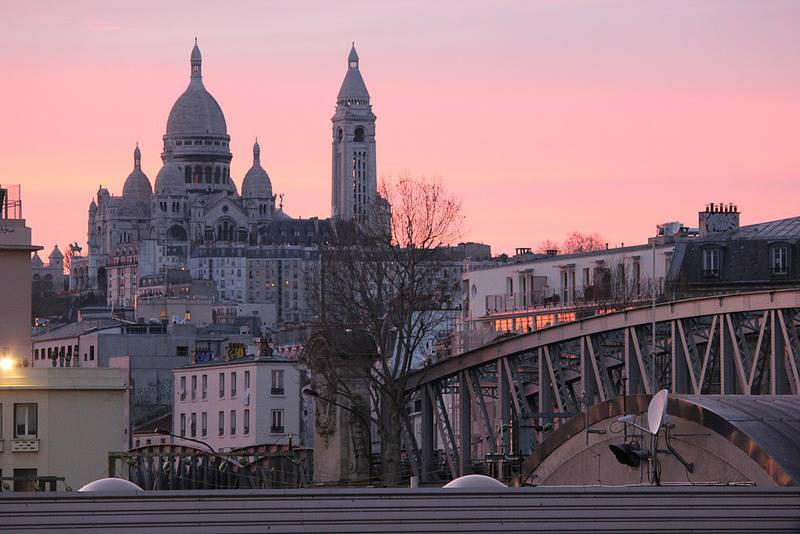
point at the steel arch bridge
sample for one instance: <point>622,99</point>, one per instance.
<point>738,344</point>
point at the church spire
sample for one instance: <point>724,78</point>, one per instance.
<point>353,91</point>
<point>196,61</point>
<point>352,59</point>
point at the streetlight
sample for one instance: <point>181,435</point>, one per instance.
<point>653,385</point>
<point>6,363</point>
<point>312,393</point>
<point>165,432</point>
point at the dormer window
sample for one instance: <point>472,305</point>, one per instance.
<point>354,64</point>
<point>711,263</point>
<point>779,260</point>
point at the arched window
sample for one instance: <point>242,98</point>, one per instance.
<point>208,175</point>
<point>339,135</point>
<point>217,175</point>
<point>187,171</point>
<point>358,135</point>
<point>225,230</point>
<point>198,174</point>
<point>176,233</point>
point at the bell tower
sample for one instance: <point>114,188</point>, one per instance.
<point>354,183</point>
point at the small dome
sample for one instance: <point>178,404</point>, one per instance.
<point>36,261</point>
<point>256,183</point>
<point>169,181</point>
<point>56,254</point>
<point>196,112</point>
<point>112,484</point>
<point>476,482</point>
<point>137,185</point>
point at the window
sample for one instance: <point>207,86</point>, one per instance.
<point>25,480</point>
<point>194,387</point>
<point>233,422</point>
<point>358,135</point>
<point>26,420</point>
<point>277,382</point>
<point>203,424</point>
<point>711,263</point>
<point>204,387</point>
<point>183,424</point>
<point>246,422</point>
<point>277,422</point>
<point>91,353</point>
<point>233,385</point>
<point>193,425</point>
<point>222,385</point>
<point>779,260</point>
<point>221,423</point>
<point>182,391</point>
<point>247,380</point>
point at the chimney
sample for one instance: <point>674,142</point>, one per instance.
<point>718,218</point>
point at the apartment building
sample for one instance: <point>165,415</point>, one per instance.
<point>238,403</point>
<point>57,425</point>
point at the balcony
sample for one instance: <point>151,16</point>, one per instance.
<point>25,445</point>
<point>276,430</point>
<point>710,273</point>
<point>277,391</point>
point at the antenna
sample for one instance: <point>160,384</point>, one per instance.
<point>656,411</point>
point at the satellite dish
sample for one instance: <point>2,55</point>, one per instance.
<point>477,482</point>
<point>656,411</point>
<point>111,484</point>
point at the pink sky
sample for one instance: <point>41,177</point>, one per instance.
<point>543,117</point>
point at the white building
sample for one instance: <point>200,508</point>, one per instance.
<point>194,216</point>
<point>60,422</point>
<point>544,290</point>
<point>239,403</point>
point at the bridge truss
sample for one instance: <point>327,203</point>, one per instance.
<point>521,388</point>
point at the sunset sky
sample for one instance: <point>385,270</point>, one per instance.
<point>543,117</point>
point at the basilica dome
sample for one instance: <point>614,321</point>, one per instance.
<point>169,181</point>
<point>256,183</point>
<point>196,112</point>
<point>137,185</point>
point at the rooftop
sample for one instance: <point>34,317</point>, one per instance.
<point>68,378</point>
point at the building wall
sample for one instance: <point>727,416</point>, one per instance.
<point>15,289</point>
<point>81,418</point>
<point>260,401</point>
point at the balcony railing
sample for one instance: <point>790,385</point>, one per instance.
<point>276,391</point>
<point>276,430</point>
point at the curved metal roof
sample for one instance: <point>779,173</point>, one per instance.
<point>765,427</point>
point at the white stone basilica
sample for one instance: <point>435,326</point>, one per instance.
<point>194,218</point>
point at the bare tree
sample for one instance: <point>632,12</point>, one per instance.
<point>381,299</point>
<point>579,242</point>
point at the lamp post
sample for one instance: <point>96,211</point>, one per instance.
<point>165,432</point>
<point>313,393</point>
<point>653,385</point>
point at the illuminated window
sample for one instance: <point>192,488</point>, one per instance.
<point>524,324</point>
<point>543,321</point>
